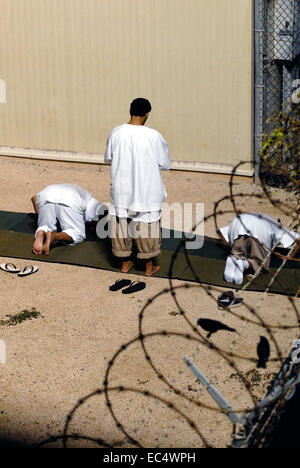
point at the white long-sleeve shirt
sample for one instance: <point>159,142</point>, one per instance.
<point>266,229</point>
<point>136,154</point>
<point>71,195</point>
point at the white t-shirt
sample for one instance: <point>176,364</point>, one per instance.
<point>137,153</point>
<point>266,229</point>
<point>71,195</point>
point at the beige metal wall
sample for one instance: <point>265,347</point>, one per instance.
<point>71,68</point>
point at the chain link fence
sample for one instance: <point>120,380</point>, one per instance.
<point>277,64</point>
<point>262,428</point>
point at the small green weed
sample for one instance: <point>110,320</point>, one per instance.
<point>20,317</point>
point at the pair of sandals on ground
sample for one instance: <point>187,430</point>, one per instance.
<point>130,286</point>
<point>11,268</point>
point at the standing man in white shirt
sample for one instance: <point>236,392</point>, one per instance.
<point>69,204</point>
<point>252,237</point>
<point>136,154</point>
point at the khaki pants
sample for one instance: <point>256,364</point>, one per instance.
<point>147,237</point>
<point>247,247</point>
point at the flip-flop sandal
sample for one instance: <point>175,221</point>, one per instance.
<point>227,300</point>
<point>28,270</point>
<point>135,287</point>
<point>119,284</point>
<point>6,267</point>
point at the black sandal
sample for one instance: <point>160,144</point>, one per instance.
<point>119,284</point>
<point>135,287</point>
<point>227,300</point>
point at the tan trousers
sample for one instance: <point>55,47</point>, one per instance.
<point>147,237</point>
<point>247,247</point>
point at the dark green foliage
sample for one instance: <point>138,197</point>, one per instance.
<point>280,151</point>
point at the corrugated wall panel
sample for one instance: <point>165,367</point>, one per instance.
<point>71,68</point>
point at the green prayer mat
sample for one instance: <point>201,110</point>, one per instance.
<point>208,262</point>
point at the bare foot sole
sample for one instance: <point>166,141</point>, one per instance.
<point>151,271</point>
<point>48,242</point>
<point>37,247</point>
<point>126,266</point>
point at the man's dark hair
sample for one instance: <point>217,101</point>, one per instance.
<point>140,107</point>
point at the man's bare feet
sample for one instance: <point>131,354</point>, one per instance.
<point>37,247</point>
<point>126,266</point>
<point>151,269</point>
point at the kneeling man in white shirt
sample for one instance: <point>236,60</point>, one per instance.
<point>69,204</point>
<point>252,237</point>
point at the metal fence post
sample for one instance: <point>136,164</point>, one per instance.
<point>258,85</point>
